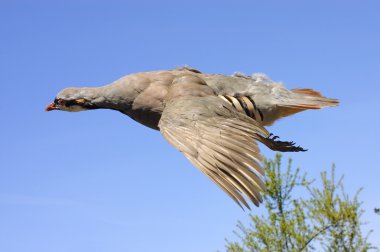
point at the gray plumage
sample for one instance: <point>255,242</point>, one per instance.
<point>214,120</point>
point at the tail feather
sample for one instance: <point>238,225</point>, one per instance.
<point>307,91</point>
<point>304,99</point>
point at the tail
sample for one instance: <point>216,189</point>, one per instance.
<point>303,99</point>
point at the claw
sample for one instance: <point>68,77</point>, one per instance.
<point>273,137</point>
<point>284,146</point>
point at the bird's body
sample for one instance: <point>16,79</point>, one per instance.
<point>213,119</point>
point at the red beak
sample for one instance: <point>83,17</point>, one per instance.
<point>51,106</point>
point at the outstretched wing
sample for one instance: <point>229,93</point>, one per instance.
<point>219,141</point>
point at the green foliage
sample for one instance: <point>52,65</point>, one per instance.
<point>323,219</point>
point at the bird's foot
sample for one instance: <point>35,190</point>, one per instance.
<point>283,146</point>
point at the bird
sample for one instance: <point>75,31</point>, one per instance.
<point>215,120</point>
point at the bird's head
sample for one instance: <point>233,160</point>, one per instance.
<point>73,100</point>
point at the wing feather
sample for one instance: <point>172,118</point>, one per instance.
<point>212,174</point>
<point>220,141</point>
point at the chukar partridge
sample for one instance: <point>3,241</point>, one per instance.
<point>214,120</point>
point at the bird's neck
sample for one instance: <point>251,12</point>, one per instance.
<point>111,96</point>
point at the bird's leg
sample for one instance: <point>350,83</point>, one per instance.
<point>277,145</point>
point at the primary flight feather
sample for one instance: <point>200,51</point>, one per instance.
<point>214,120</point>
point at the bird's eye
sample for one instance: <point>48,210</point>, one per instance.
<point>59,102</point>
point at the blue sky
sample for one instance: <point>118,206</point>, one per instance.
<point>98,181</point>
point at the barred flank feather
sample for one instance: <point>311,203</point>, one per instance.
<point>244,104</point>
